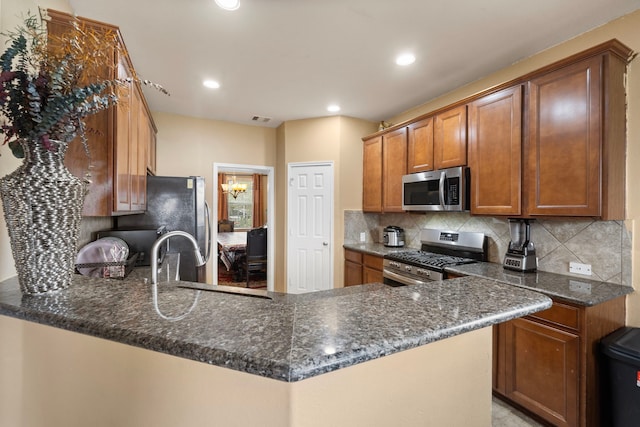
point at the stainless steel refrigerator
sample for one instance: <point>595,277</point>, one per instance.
<point>178,203</point>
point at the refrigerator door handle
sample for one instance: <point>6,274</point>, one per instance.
<point>209,232</point>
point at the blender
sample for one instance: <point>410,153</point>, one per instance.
<point>521,255</point>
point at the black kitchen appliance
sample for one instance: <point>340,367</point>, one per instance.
<point>439,249</point>
<point>176,203</point>
<point>521,255</point>
<point>139,241</point>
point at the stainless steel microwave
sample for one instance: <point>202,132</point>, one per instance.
<point>439,190</point>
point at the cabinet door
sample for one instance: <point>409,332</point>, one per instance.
<point>563,156</point>
<point>371,269</point>
<point>542,370</point>
<point>139,141</point>
<point>352,268</point>
<point>420,149</point>
<point>499,352</point>
<point>352,273</point>
<point>372,175</point>
<point>151,150</point>
<point>394,166</point>
<point>93,162</point>
<point>371,275</point>
<point>123,161</point>
<point>450,138</point>
<point>495,150</point>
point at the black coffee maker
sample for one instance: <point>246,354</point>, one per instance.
<point>521,255</point>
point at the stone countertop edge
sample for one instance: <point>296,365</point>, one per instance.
<point>285,337</point>
<point>377,249</point>
<point>576,290</point>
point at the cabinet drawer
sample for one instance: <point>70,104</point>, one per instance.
<point>560,314</point>
<point>372,261</point>
<point>353,256</point>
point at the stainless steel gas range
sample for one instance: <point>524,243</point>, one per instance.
<point>439,249</point>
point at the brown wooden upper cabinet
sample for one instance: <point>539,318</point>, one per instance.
<point>394,166</point>
<point>420,147</point>
<point>438,142</point>
<point>575,159</point>
<point>495,152</point>
<point>118,141</point>
<point>450,138</point>
<point>549,143</point>
<point>385,162</point>
<point>372,175</point>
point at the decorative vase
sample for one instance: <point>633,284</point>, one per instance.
<point>42,202</point>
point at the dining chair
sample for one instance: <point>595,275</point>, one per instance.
<point>255,258</point>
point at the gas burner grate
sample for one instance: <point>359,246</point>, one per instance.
<point>428,259</point>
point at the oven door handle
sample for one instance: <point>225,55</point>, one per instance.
<point>401,279</point>
<point>443,177</point>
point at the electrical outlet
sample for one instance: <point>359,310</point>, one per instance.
<point>577,268</point>
<point>363,237</point>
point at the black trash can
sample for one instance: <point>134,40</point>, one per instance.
<point>621,378</point>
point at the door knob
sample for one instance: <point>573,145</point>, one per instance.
<point>325,243</point>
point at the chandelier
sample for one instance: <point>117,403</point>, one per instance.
<point>233,187</point>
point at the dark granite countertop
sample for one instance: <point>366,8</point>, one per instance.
<point>375,248</point>
<point>571,289</point>
<point>282,336</point>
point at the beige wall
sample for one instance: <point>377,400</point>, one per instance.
<point>70,379</point>
<point>336,139</point>
<point>10,13</point>
<point>190,146</point>
<point>625,29</point>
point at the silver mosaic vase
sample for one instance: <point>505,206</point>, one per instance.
<point>42,202</point>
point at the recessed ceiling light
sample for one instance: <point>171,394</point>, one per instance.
<point>405,59</point>
<point>211,84</point>
<point>333,108</point>
<point>228,4</point>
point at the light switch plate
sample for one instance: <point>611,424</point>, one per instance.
<point>577,268</point>
<point>363,237</point>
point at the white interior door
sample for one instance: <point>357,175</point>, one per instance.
<point>310,222</point>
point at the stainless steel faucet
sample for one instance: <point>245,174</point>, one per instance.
<point>156,245</point>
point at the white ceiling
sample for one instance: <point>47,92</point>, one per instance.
<point>289,59</point>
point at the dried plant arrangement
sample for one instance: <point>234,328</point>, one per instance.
<point>49,83</point>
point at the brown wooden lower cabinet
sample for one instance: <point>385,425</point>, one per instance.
<point>361,268</point>
<point>548,362</point>
<point>352,268</point>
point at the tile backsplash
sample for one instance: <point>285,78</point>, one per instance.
<point>606,245</point>
<point>89,225</point>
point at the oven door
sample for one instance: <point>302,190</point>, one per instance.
<point>394,279</point>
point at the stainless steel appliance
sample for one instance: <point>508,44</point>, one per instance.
<point>439,190</point>
<point>177,203</point>
<point>439,249</point>
<point>393,236</point>
<point>521,255</point>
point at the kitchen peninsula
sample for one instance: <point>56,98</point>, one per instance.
<point>114,352</point>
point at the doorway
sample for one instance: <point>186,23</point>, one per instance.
<point>238,170</point>
<point>310,227</point>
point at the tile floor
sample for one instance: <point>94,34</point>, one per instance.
<point>504,415</point>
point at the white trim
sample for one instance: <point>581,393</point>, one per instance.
<point>248,169</point>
